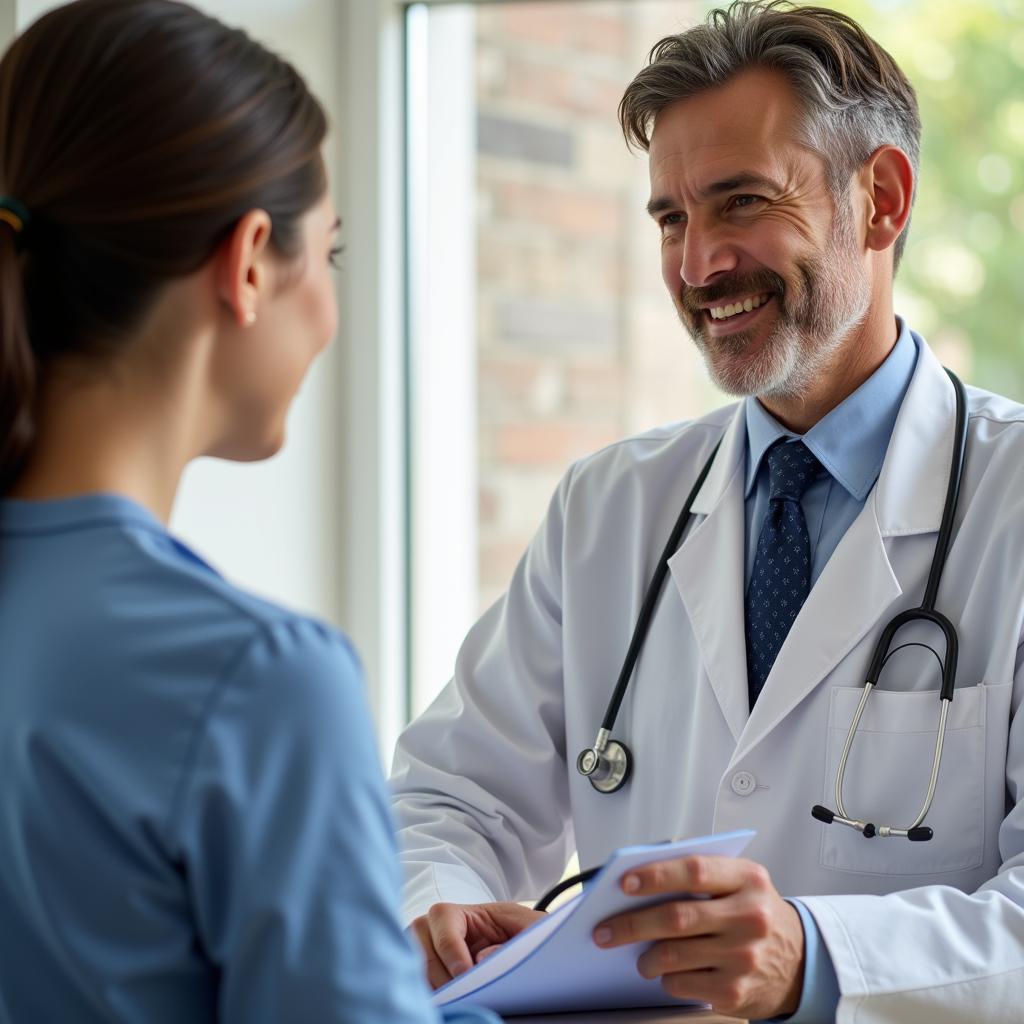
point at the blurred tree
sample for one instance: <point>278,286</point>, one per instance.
<point>963,274</point>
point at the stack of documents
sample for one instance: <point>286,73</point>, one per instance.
<point>554,966</point>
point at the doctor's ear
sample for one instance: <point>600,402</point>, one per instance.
<point>887,182</point>
<point>242,271</point>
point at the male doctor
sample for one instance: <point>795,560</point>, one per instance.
<point>783,149</point>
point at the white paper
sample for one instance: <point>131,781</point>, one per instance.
<point>555,967</point>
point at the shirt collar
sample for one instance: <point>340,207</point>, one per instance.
<point>851,441</point>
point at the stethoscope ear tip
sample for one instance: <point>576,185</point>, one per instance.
<point>917,834</point>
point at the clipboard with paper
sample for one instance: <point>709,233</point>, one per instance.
<point>555,967</point>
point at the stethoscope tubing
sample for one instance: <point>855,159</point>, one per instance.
<point>643,621</point>
<point>956,475</point>
<point>608,763</point>
<point>926,612</point>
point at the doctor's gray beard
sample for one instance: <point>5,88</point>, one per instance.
<point>812,321</point>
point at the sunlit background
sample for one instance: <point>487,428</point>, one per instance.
<point>561,307</point>
<point>502,310</point>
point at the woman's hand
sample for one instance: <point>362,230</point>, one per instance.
<point>454,936</point>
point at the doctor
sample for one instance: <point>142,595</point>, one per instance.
<point>783,149</point>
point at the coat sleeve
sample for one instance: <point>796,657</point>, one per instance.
<point>501,833</point>
<point>936,953</point>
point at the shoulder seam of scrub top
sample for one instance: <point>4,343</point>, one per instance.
<point>263,633</point>
<point>99,522</point>
<point>74,512</point>
<point>261,611</point>
<point>188,761</point>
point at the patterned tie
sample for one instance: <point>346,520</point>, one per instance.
<point>781,578</point>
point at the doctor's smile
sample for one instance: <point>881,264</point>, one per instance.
<point>732,310</point>
<point>731,307</point>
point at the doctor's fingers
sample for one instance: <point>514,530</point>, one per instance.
<point>751,980</point>
<point>729,992</point>
<point>708,875</point>
<point>687,918</point>
<point>437,973</point>
<point>706,953</point>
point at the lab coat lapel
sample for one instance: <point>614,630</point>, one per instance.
<point>857,588</point>
<point>708,573</point>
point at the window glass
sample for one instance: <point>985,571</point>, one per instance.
<point>540,327</point>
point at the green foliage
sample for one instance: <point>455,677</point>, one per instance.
<point>962,278</point>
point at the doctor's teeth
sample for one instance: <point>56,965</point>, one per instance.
<point>724,312</point>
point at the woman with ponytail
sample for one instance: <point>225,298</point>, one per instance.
<point>192,822</point>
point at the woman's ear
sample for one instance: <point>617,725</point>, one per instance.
<point>888,179</point>
<point>242,271</point>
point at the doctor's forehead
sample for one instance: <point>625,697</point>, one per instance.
<point>749,124</point>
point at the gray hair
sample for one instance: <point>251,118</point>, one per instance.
<point>854,96</point>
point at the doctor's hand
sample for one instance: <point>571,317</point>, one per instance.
<point>741,950</point>
<point>455,936</point>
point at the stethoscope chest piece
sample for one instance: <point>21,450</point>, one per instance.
<point>606,764</point>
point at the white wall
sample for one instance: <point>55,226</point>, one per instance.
<point>442,250</point>
<point>321,526</point>
<point>274,527</point>
<point>8,19</point>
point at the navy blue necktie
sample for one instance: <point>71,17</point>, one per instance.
<point>781,578</point>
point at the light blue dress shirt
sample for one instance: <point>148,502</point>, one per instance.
<point>193,822</point>
<point>850,442</point>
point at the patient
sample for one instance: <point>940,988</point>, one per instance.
<point>192,822</point>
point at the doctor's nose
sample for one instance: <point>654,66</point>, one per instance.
<point>705,255</point>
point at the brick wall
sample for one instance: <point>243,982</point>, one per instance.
<point>578,343</point>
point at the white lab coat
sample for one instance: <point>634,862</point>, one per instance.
<point>490,806</point>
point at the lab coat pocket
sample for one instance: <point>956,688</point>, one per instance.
<point>887,776</point>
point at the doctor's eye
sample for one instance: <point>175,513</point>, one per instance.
<point>744,202</point>
<point>671,220</point>
<point>334,256</point>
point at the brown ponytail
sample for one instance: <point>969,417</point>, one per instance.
<point>137,133</point>
<point>17,363</point>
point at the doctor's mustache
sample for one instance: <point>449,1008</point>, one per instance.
<point>758,281</point>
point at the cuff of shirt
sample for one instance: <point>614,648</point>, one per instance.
<point>819,996</point>
<point>439,883</point>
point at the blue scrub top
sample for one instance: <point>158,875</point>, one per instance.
<point>193,823</point>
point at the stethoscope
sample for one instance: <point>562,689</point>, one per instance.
<point>607,764</point>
